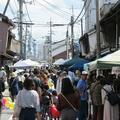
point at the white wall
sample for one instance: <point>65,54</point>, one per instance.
<point>59,47</point>
<point>90,16</point>
<point>92,41</point>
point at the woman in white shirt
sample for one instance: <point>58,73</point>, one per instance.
<point>27,102</point>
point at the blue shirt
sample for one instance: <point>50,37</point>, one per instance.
<point>82,87</point>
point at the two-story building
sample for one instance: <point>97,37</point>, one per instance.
<point>9,47</point>
<point>108,33</point>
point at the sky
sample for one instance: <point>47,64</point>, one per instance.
<point>40,13</point>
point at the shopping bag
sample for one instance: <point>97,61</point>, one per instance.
<point>54,111</point>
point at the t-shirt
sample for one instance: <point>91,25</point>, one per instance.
<point>28,98</point>
<point>82,87</point>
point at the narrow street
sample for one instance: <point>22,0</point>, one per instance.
<point>6,115</point>
<point>60,59</point>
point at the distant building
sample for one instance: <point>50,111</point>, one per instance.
<point>62,49</point>
<point>47,52</point>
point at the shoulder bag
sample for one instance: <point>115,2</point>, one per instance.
<point>69,103</point>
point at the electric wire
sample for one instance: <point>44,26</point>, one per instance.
<point>28,13</point>
<point>111,16</point>
<point>57,8</point>
<point>50,10</point>
<point>39,24</point>
<point>85,11</point>
<point>16,4</point>
<point>12,11</point>
<point>80,12</point>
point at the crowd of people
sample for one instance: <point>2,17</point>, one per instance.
<point>35,90</point>
<point>105,91</point>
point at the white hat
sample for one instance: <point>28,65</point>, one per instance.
<point>84,73</point>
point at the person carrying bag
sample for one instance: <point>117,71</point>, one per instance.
<point>66,104</point>
<point>69,103</point>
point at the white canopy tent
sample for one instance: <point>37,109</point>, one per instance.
<point>106,62</point>
<point>25,64</point>
<point>59,62</point>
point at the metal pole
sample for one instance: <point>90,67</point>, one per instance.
<point>25,53</point>
<point>6,7</point>
<point>81,27</point>
<point>97,29</point>
<point>50,42</point>
<point>72,35</point>
<point>97,32</point>
<point>21,26</point>
<point>67,48</point>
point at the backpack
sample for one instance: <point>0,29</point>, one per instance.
<point>112,97</point>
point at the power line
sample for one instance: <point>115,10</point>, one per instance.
<point>57,8</point>
<point>80,11</point>
<point>12,11</point>
<point>85,11</point>
<point>28,13</point>
<point>16,4</point>
<point>51,10</point>
<point>6,6</point>
<point>39,24</point>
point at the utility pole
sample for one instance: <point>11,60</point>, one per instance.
<point>97,29</point>
<point>97,32</point>
<point>50,51</point>
<point>72,33</point>
<point>81,27</point>
<point>67,44</point>
<point>21,27</point>
<point>25,41</point>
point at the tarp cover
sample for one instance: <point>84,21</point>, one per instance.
<point>106,62</point>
